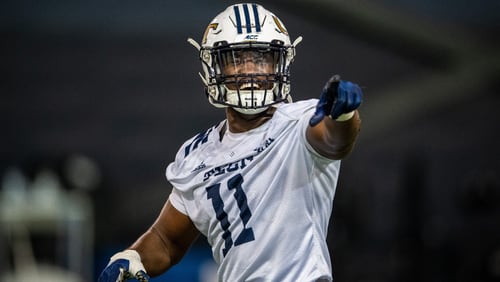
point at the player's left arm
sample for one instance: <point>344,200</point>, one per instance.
<point>157,250</point>
<point>335,125</point>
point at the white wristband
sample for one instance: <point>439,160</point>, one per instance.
<point>135,264</point>
<point>346,116</point>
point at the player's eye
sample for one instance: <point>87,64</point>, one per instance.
<point>238,57</point>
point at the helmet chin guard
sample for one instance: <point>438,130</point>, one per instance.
<point>246,56</point>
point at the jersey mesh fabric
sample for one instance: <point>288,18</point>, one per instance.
<point>262,198</point>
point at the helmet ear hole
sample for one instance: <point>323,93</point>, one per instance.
<point>220,43</point>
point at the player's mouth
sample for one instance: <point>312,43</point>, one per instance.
<point>250,86</point>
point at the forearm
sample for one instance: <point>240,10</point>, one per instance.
<point>154,252</point>
<point>166,242</point>
<point>158,249</point>
<point>335,139</point>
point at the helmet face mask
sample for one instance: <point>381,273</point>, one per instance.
<point>246,56</point>
<point>239,67</point>
<point>248,76</point>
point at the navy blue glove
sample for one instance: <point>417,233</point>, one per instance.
<point>123,266</point>
<point>338,97</point>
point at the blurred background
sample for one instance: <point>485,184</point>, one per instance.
<point>97,96</point>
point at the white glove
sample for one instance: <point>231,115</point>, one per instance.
<point>122,266</point>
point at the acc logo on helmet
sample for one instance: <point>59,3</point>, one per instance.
<point>252,37</point>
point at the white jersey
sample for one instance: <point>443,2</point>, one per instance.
<point>263,198</point>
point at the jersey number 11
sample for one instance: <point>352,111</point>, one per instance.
<point>213,193</point>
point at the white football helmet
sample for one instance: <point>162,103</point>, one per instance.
<point>246,33</point>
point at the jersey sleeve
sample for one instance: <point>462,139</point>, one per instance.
<point>303,111</point>
<point>181,172</point>
<point>303,124</point>
<point>174,174</point>
<point>176,200</point>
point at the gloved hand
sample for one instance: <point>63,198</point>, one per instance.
<point>337,98</point>
<point>123,266</point>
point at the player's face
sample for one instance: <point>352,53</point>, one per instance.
<point>249,63</point>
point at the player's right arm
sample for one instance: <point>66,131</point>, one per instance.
<point>158,249</point>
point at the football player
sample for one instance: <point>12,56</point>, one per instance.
<point>260,184</point>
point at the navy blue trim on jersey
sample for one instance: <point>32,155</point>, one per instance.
<point>247,18</point>
<point>238,19</point>
<point>201,138</point>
